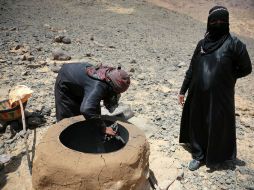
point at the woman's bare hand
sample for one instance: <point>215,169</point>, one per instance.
<point>110,131</point>
<point>181,99</point>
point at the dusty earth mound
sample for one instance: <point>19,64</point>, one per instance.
<point>67,168</point>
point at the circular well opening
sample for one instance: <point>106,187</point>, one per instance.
<point>84,137</point>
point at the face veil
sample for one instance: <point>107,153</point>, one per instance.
<point>217,29</point>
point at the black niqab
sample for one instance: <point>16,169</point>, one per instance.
<point>217,32</point>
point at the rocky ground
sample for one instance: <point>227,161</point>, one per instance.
<point>153,43</point>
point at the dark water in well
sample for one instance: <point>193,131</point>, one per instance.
<point>84,137</point>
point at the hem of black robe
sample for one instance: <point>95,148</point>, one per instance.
<point>213,164</point>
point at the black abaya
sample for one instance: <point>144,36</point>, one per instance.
<point>76,93</point>
<point>208,118</point>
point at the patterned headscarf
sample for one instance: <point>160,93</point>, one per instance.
<point>117,78</point>
<point>120,80</point>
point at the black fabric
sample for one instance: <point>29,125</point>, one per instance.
<point>188,74</point>
<point>217,29</point>
<point>208,118</point>
<point>218,13</point>
<point>76,93</point>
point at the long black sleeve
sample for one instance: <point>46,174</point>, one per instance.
<point>188,75</point>
<point>90,106</point>
<point>242,60</point>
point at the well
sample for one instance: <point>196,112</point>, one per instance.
<point>72,155</point>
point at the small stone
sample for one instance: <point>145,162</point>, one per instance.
<point>132,70</point>
<point>88,55</point>
<point>13,29</point>
<point>195,173</point>
<point>133,61</point>
<point>2,151</point>
<point>180,175</point>
<point>58,39</point>
<point>23,57</point>
<point>34,121</point>
<point>141,77</point>
<point>202,174</point>
<point>172,149</point>
<point>228,181</point>
<point>25,73</point>
<point>139,109</point>
<point>17,47</point>
<point>30,58</point>
<point>66,40</point>
<point>92,38</point>
<point>39,48</point>
<point>53,114</point>
<point>60,55</point>
<point>46,110</point>
<point>55,69</point>
<point>9,133</point>
<point>250,187</point>
<point>221,180</point>
<point>243,170</point>
<point>179,166</point>
<point>4,158</point>
<point>181,64</point>
<point>175,135</point>
<point>2,60</point>
<point>48,35</point>
<point>111,46</point>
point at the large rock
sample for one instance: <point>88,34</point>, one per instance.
<point>62,39</point>
<point>4,158</point>
<point>66,40</point>
<point>122,111</point>
<point>61,55</point>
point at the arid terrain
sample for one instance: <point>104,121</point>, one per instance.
<point>154,40</point>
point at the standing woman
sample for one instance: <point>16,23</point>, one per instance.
<point>208,118</point>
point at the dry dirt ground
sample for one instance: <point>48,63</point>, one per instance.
<point>155,41</point>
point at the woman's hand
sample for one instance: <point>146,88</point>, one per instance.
<point>181,99</point>
<point>110,131</point>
